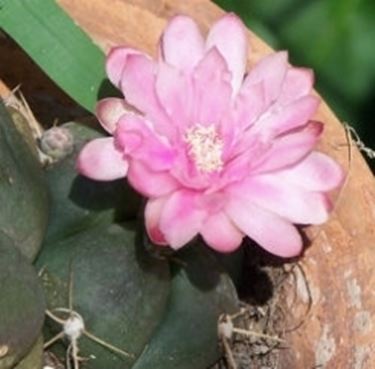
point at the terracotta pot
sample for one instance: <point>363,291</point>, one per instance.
<point>339,330</point>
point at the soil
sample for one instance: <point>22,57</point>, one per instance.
<point>261,291</point>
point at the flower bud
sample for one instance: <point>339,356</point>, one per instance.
<point>57,142</point>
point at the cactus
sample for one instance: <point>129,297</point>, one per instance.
<point>23,191</point>
<point>21,305</point>
<point>57,143</point>
<point>23,126</point>
<point>34,359</point>
<point>78,202</point>
<point>122,294</point>
<point>119,290</point>
<point>186,337</point>
<point>129,299</point>
<point>136,308</point>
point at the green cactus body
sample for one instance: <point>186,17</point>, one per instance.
<point>118,288</point>
<point>21,305</point>
<point>78,202</point>
<point>34,359</point>
<point>163,313</point>
<point>23,127</point>
<point>186,337</point>
<point>23,191</point>
<point>125,298</point>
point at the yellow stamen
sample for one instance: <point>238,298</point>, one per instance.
<point>205,148</point>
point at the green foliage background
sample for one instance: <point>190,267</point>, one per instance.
<point>334,37</point>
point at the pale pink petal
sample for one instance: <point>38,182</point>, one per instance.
<point>273,233</point>
<point>153,210</point>
<point>181,219</point>
<point>290,202</point>
<point>220,233</point>
<point>100,160</point>
<point>271,71</point>
<point>235,170</point>
<point>249,105</point>
<point>109,111</point>
<point>288,149</point>
<point>148,182</point>
<point>212,202</point>
<point>136,137</point>
<point>138,86</point>
<point>212,89</point>
<point>294,115</point>
<point>187,174</point>
<point>228,35</point>
<point>115,63</point>
<point>317,172</point>
<point>174,90</point>
<point>297,83</point>
<point>182,44</point>
<point>138,80</point>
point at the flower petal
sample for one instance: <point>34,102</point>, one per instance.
<point>270,71</point>
<point>109,111</point>
<point>182,44</point>
<point>174,90</point>
<point>153,210</point>
<point>298,82</point>
<point>279,197</point>
<point>212,89</point>
<point>115,63</point>
<point>288,149</point>
<point>270,231</point>
<point>181,219</point>
<point>235,170</point>
<point>220,233</point>
<point>100,160</point>
<point>138,86</point>
<point>317,172</point>
<point>249,105</point>
<point>136,137</point>
<point>294,115</point>
<point>228,35</point>
<point>137,81</point>
<point>148,182</point>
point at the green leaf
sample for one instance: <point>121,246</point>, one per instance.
<point>58,46</point>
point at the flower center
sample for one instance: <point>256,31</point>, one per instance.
<point>205,148</point>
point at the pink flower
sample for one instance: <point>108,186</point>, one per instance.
<point>216,152</point>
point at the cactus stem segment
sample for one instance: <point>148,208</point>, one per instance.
<point>17,101</point>
<point>73,327</point>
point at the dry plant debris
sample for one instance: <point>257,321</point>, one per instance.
<point>254,337</point>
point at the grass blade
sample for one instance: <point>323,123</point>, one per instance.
<point>58,46</point>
